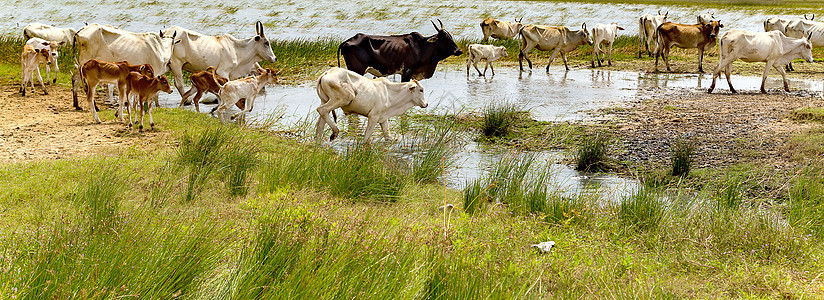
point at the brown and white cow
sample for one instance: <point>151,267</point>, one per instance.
<point>37,44</point>
<point>772,47</point>
<point>603,34</point>
<point>30,59</point>
<point>551,38</point>
<point>502,30</point>
<point>94,72</point>
<point>490,53</point>
<point>247,88</point>
<point>202,82</point>
<point>145,87</point>
<point>647,25</point>
<point>376,99</point>
<point>701,36</point>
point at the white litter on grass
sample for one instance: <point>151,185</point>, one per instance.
<point>545,246</point>
<point>448,207</point>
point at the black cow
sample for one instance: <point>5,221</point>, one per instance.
<point>412,55</point>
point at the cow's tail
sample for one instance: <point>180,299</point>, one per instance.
<point>659,39</point>
<point>26,33</point>
<point>324,96</point>
<point>211,70</point>
<point>339,55</point>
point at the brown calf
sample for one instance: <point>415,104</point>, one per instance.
<point>145,88</point>
<point>30,59</point>
<point>94,72</point>
<point>206,81</point>
<point>701,36</point>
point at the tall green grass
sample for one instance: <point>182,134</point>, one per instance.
<point>218,149</point>
<point>435,153</point>
<point>806,203</point>
<point>592,153</point>
<point>643,210</point>
<point>681,157</point>
<point>498,120</point>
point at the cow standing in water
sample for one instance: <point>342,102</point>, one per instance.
<point>502,30</point>
<point>550,38</point>
<point>412,55</point>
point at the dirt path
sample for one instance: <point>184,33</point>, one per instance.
<point>41,126</point>
<point>728,128</point>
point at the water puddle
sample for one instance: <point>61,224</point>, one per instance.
<point>557,96</point>
<point>290,19</point>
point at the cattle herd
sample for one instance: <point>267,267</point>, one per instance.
<point>229,67</point>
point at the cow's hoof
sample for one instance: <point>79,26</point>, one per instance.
<point>733,91</point>
<point>333,136</point>
<point>45,93</point>
<point>54,80</point>
<point>610,63</point>
<point>709,91</point>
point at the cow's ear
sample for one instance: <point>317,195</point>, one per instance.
<point>720,25</point>
<point>620,28</point>
<point>432,39</point>
<point>45,43</point>
<point>62,43</point>
<point>177,42</point>
<point>257,38</point>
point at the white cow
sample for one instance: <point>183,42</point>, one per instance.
<point>776,23</point>
<point>813,30</point>
<point>376,99</point>
<point>647,26</point>
<point>772,47</point>
<point>246,88</point>
<point>107,43</point>
<point>49,33</point>
<point>558,39</point>
<point>707,18</point>
<point>603,34</point>
<point>30,59</point>
<point>231,57</point>
<point>490,53</point>
<point>51,46</point>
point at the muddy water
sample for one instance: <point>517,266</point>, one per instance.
<point>289,19</point>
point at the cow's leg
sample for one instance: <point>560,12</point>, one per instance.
<point>186,94</point>
<point>39,78</point>
<point>764,77</point>
<point>552,58</point>
<point>177,71</point>
<point>666,57</point>
<point>151,119</point>
<point>48,74</point>
<point>523,55</point>
<point>715,75</point>
<point>76,82</point>
<point>789,67</point>
<point>594,54</point>
<point>783,76</point>
<point>475,63</point>
<point>142,102</point>
<point>385,129</point>
<point>196,100</point>
<point>490,67</point>
<point>324,110</point>
<point>370,127</point>
<point>486,67</point>
<point>610,52</point>
<point>56,69</point>
<point>727,70</point>
<point>467,67</point>
<point>563,56</point>
<point>90,86</point>
<point>700,59</point>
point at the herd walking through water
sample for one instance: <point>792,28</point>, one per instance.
<point>229,67</point>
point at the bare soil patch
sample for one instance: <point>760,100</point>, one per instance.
<point>727,128</point>
<point>41,126</point>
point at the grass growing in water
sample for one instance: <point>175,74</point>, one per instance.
<point>643,210</point>
<point>592,153</point>
<point>498,119</point>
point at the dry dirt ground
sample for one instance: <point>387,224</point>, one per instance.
<point>41,126</point>
<point>727,128</point>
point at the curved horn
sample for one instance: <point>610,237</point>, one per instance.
<point>659,12</point>
<point>805,17</point>
<point>666,14</point>
<point>161,33</point>
<point>433,24</point>
<point>584,26</point>
<point>810,36</point>
<point>439,21</point>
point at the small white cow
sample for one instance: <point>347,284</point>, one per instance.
<point>502,30</point>
<point>647,26</point>
<point>30,59</point>
<point>236,90</point>
<point>603,34</point>
<point>49,33</point>
<point>376,99</point>
<point>772,47</point>
<point>490,53</point>
<point>37,44</point>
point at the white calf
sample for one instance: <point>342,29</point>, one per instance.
<point>246,88</point>
<point>603,34</point>
<point>477,52</point>
<point>376,99</point>
<point>37,44</point>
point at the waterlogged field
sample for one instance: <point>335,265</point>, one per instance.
<point>649,187</point>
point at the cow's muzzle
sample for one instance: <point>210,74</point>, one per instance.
<point>458,52</point>
<point>424,105</point>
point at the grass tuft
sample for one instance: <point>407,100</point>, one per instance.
<point>681,157</point>
<point>498,120</point>
<point>643,210</point>
<point>592,153</point>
